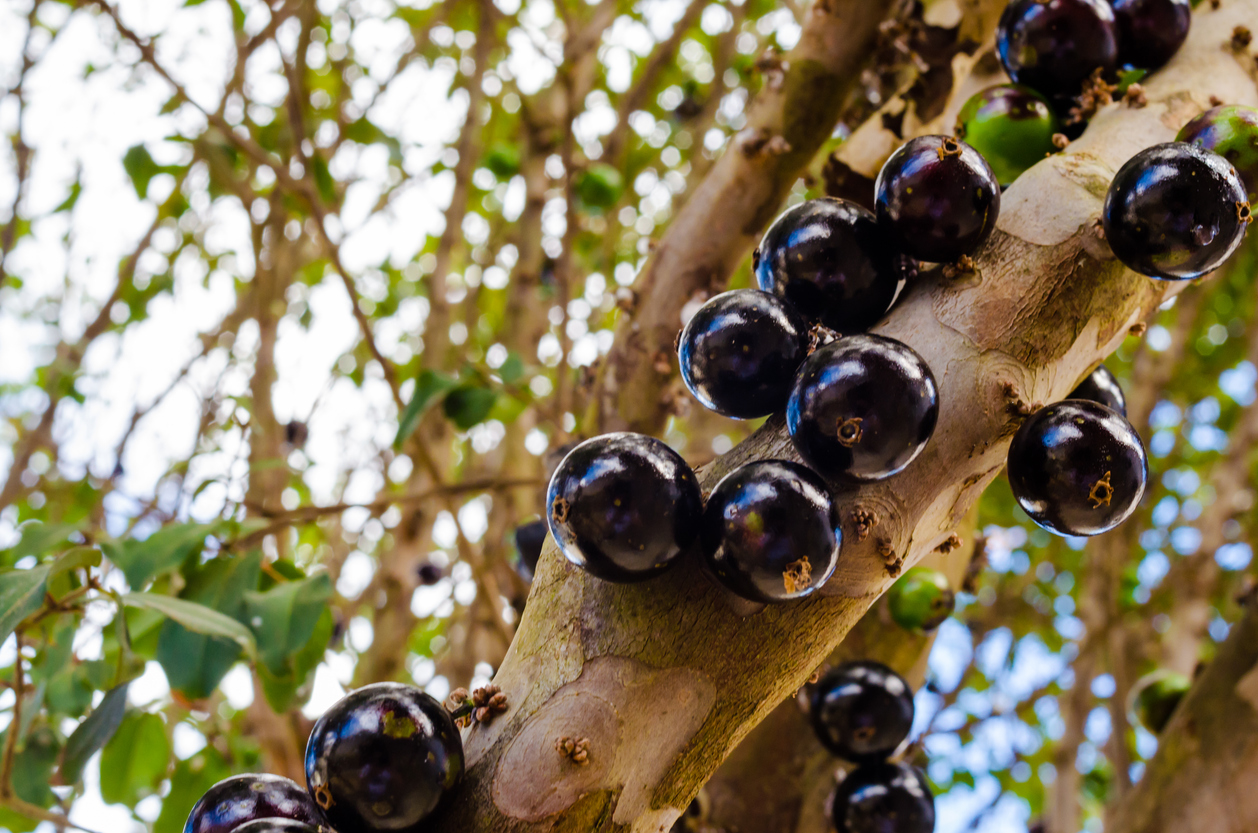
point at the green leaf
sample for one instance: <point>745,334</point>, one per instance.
<point>469,405</point>
<point>323,179</point>
<point>281,691</point>
<point>195,617</point>
<point>428,387</point>
<point>38,539</point>
<point>139,165</point>
<point>22,591</point>
<point>161,552</point>
<point>283,618</point>
<point>188,783</point>
<point>93,733</point>
<point>194,660</point>
<point>76,188</point>
<point>135,760</point>
<point>512,369</point>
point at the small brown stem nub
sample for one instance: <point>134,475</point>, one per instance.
<point>850,431</point>
<point>1101,492</point>
<point>797,575</point>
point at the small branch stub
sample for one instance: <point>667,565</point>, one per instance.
<point>576,750</point>
<point>1242,38</point>
<point>481,706</point>
<point>1135,97</point>
<point>964,266</point>
<point>952,543</point>
<point>863,521</point>
<point>890,559</point>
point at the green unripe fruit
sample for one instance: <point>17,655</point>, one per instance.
<point>1156,699</point>
<point>1012,126</point>
<point>502,160</point>
<point>599,186</point>
<point>921,599</point>
<point>1231,132</point>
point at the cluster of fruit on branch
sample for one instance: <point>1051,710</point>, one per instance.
<point>858,407</point>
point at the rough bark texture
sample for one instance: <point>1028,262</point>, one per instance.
<point>664,678</point>
<point>1202,777</point>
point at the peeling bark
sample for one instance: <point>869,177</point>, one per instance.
<point>1046,304</point>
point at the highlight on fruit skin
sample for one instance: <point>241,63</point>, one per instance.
<point>861,711</point>
<point>883,798</point>
<point>1053,46</point>
<point>623,506</point>
<point>1077,468</point>
<point>279,826</point>
<point>1101,386</point>
<point>921,599</point>
<point>243,798</point>
<point>1155,697</point>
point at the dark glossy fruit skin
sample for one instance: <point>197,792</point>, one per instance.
<point>241,798</point>
<point>1101,386</point>
<point>1150,32</point>
<point>623,506</point>
<point>1175,211</point>
<point>1054,46</point>
<point>739,353</point>
<point>832,261</point>
<point>861,711</point>
<point>921,599</point>
<point>771,531</point>
<point>862,407</point>
<point>938,197</point>
<point>529,539</point>
<point>278,826</point>
<point>383,758</point>
<point>1011,126</point>
<point>883,798</point>
<point>1231,132</point>
<point>1077,468</point>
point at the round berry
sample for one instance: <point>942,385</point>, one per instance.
<point>771,531</point>
<point>938,197</point>
<point>883,798</point>
<point>740,351</point>
<point>1054,45</point>
<point>1101,386</point>
<point>863,406</point>
<point>1231,132</point>
<point>383,758</point>
<point>278,826</point>
<point>529,539</point>
<point>241,798</point>
<point>832,261</point>
<point>1150,32</point>
<point>921,599</point>
<point>1175,211</point>
<point>861,711</point>
<point>1011,126</point>
<point>1157,696</point>
<point>623,506</point>
<point>1077,468</point>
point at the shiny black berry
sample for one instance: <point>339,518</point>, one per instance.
<point>1101,386</point>
<point>1175,211</point>
<point>863,406</point>
<point>739,353</point>
<point>938,197</point>
<point>1011,126</point>
<point>529,539</point>
<point>623,506</point>
<point>1077,468</point>
<point>883,798</point>
<point>771,531</point>
<point>383,758</point>
<point>1054,45</point>
<point>1231,132</point>
<point>861,711</point>
<point>241,798</point>
<point>832,261</point>
<point>1150,32</point>
<point>278,826</point>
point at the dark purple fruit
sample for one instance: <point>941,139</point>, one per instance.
<point>623,506</point>
<point>278,826</point>
<point>1011,126</point>
<point>383,758</point>
<point>429,573</point>
<point>1054,46</point>
<point>241,798</point>
<point>771,531</point>
<point>1231,132</point>
<point>1101,386</point>
<point>861,711</point>
<point>740,351</point>
<point>832,261</point>
<point>1077,468</point>
<point>883,798</point>
<point>529,539</point>
<point>1150,32</point>
<point>1175,211</point>
<point>863,406</point>
<point>938,197</point>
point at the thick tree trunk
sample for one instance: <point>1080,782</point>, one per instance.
<point>664,678</point>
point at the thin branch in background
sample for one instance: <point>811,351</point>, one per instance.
<point>21,150</point>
